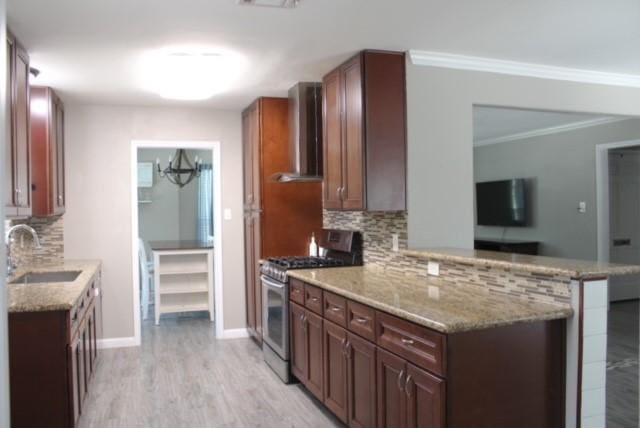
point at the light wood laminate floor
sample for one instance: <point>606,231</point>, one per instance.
<point>182,376</point>
<point>622,365</point>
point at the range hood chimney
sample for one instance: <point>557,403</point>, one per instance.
<point>305,134</point>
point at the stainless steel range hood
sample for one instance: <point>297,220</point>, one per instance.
<point>305,134</point>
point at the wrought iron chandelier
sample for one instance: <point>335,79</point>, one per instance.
<point>180,170</point>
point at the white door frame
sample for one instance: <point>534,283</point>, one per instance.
<point>602,194</point>
<point>214,146</point>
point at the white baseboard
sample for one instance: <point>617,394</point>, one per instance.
<point>117,342</point>
<point>234,333</point>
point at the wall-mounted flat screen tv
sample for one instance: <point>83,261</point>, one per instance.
<point>502,203</point>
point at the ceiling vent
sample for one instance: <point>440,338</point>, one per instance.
<point>285,4</point>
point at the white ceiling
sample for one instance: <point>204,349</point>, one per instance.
<point>498,124</point>
<point>89,50</point>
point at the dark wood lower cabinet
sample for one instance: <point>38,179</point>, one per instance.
<point>410,376</point>
<point>52,358</point>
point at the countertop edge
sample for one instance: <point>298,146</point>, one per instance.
<point>561,313</point>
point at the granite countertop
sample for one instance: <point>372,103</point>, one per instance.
<point>576,269</point>
<point>51,296</point>
<point>431,302</point>
<point>180,245</point>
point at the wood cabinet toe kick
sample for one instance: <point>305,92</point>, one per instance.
<point>374,369</point>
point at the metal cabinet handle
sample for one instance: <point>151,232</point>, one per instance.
<point>361,320</point>
<point>338,193</point>
<point>336,309</point>
<point>348,349</point>
<point>400,376</point>
<point>407,388</point>
<point>343,343</point>
<point>342,193</point>
<point>313,299</point>
<point>302,318</point>
<point>407,342</point>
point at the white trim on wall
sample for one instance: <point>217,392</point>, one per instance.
<point>549,130</point>
<point>602,194</point>
<point>515,68</point>
<point>234,333</point>
<point>118,342</point>
<point>214,146</point>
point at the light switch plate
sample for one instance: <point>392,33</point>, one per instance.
<point>582,207</point>
<point>433,268</point>
<point>227,214</point>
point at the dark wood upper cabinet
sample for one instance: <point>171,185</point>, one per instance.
<point>47,148</point>
<point>365,133</point>
<point>18,152</point>
<point>279,217</point>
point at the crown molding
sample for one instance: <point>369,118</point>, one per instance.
<point>490,65</point>
<point>548,131</point>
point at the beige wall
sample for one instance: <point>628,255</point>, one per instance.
<point>440,152</point>
<point>98,218</point>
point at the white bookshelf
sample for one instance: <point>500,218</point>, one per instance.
<point>184,281</point>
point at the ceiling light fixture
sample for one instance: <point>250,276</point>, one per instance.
<point>285,4</point>
<point>190,72</point>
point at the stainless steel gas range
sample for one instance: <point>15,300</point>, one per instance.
<point>341,248</point>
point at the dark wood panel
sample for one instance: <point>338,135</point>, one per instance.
<point>313,298</point>
<point>519,383</point>
<point>296,290</point>
<point>9,156</point>
<point>361,320</point>
<point>361,367</point>
<point>60,181</point>
<point>315,365</point>
<point>353,192</point>
<point>297,342</point>
<point>391,374</point>
<point>335,370</point>
<point>425,397</point>
<point>22,131</point>
<point>332,139</point>
<point>419,345</point>
<point>335,308</point>
<point>385,130</point>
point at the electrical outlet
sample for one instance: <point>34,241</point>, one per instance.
<point>433,268</point>
<point>394,242</point>
<point>582,207</point>
<point>227,214</point>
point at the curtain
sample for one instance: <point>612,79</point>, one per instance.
<point>205,204</point>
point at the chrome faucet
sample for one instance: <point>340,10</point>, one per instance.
<point>11,267</point>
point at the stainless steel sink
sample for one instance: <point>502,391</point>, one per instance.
<point>40,277</point>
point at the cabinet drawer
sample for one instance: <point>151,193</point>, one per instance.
<point>335,309</point>
<point>361,320</point>
<point>313,298</point>
<point>296,291</point>
<point>421,346</point>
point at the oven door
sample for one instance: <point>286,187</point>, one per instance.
<point>275,315</point>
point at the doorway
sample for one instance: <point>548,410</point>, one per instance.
<point>176,233</point>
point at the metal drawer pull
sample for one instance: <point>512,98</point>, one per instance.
<point>336,309</point>
<point>407,388</point>
<point>343,342</point>
<point>400,379</point>
<point>407,342</point>
<point>297,291</point>
<point>314,299</point>
<point>361,320</point>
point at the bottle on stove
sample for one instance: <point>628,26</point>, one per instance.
<point>313,247</point>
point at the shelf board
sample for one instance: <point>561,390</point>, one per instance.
<point>183,290</point>
<point>184,272</point>
<point>169,309</point>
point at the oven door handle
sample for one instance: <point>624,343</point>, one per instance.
<point>271,283</point>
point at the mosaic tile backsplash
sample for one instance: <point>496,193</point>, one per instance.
<point>377,228</point>
<point>51,233</point>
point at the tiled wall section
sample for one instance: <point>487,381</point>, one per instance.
<point>50,231</point>
<point>377,228</point>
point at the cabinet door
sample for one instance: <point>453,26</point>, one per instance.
<point>425,399</point>
<point>22,130</point>
<point>352,146</point>
<point>332,134</point>
<point>297,342</point>
<point>315,369</point>
<point>59,153</point>
<point>335,370</point>
<point>361,375</point>
<point>80,373</point>
<point>9,158</point>
<point>74,385</point>
<point>250,277</point>
<point>391,395</point>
